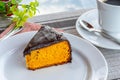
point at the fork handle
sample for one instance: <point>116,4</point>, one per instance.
<point>10,33</point>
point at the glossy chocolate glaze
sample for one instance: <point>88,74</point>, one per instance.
<point>44,37</point>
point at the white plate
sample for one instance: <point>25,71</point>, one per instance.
<point>98,40</point>
<point>88,63</point>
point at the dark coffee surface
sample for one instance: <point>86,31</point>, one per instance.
<point>113,2</point>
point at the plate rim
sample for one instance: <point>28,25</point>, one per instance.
<point>87,42</point>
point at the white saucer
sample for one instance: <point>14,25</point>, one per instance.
<point>98,40</point>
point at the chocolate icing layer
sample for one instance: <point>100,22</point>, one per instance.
<point>44,37</point>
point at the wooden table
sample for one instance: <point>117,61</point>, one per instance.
<point>66,21</point>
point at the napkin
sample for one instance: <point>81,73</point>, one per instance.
<point>27,27</point>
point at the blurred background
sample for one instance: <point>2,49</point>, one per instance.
<point>53,6</point>
<point>48,7</point>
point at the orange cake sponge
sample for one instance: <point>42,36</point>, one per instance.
<point>47,48</point>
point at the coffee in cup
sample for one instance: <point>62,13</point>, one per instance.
<point>113,2</point>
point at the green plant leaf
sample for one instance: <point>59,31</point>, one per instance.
<point>15,1</point>
<point>2,7</point>
<point>20,15</point>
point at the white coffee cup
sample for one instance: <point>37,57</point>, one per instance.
<point>109,17</point>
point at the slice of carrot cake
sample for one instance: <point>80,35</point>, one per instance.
<point>47,48</point>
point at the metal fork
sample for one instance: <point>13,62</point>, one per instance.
<point>11,32</point>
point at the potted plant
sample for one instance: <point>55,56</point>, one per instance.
<point>5,14</point>
<point>19,13</point>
